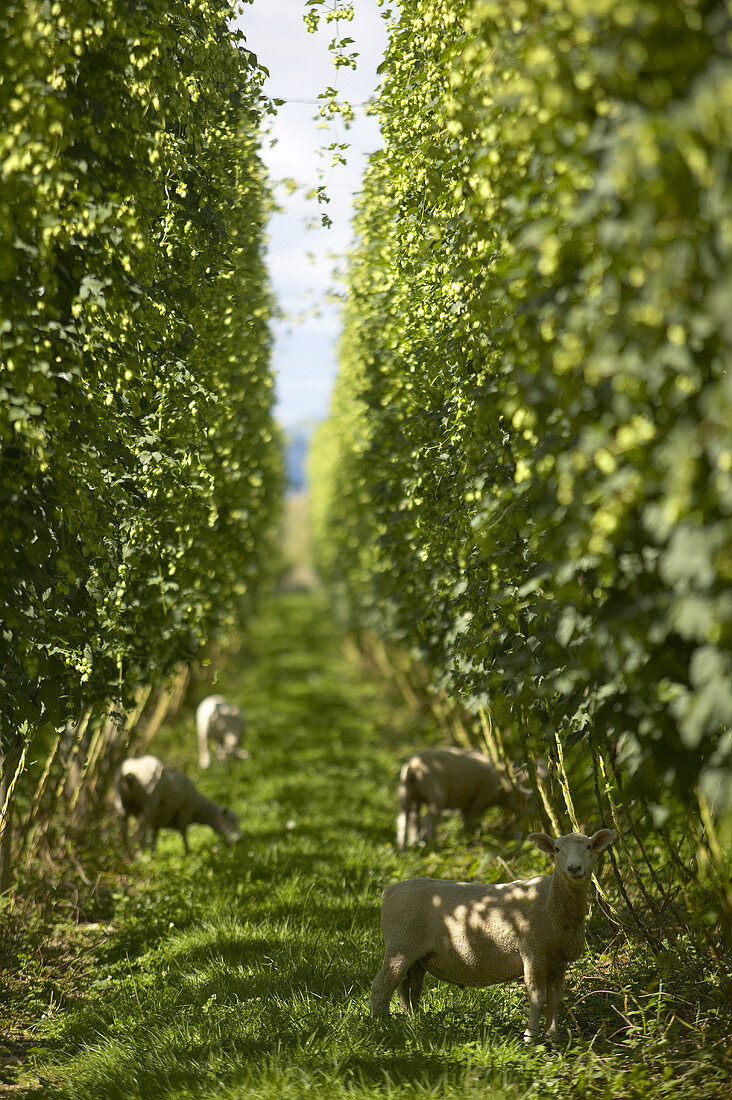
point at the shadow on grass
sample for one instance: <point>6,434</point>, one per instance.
<point>393,1052</point>
<point>403,1068</point>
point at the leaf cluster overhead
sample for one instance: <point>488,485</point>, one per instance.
<point>140,466</point>
<point>526,475</point>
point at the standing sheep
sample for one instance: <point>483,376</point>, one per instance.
<point>452,779</point>
<point>162,798</point>
<point>222,723</point>
<point>473,934</point>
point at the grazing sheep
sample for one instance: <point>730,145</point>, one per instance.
<point>162,798</point>
<point>452,779</point>
<point>223,724</point>
<point>472,934</point>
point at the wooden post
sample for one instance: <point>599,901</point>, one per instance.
<point>30,829</point>
<point>12,765</point>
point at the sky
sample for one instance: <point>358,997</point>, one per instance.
<point>301,252</point>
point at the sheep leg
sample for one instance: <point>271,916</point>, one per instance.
<point>407,828</point>
<point>417,972</point>
<point>386,982</point>
<point>404,818</point>
<point>430,823</point>
<point>555,988</point>
<point>140,832</point>
<point>402,826</point>
<point>182,821</point>
<point>149,816</point>
<point>409,991</point>
<point>535,981</point>
<point>125,833</point>
<point>471,823</point>
<point>204,757</point>
<point>413,825</point>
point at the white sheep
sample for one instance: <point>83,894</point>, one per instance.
<point>163,798</point>
<point>222,723</point>
<point>453,779</point>
<point>475,934</point>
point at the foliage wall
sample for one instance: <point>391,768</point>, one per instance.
<point>140,467</point>
<point>526,475</point>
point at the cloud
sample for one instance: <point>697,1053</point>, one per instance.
<point>300,68</point>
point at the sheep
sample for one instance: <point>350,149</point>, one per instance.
<point>163,798</point>
<point>474,934</point>
<point>453,779</point>
<point>222,723</point>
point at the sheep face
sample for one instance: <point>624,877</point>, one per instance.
<point>228,826</point>
<point>229,747</point>
<point>575,855</point>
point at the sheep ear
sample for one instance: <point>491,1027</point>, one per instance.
<point>602,839</point>
<point>541,840</point>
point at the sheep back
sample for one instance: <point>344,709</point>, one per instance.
<point>454,778</point>
<point>220,718</point>
<point>145,779</point>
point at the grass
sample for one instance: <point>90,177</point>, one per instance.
<point>245,971</point>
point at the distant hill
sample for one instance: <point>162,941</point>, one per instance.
<point>297,445</point>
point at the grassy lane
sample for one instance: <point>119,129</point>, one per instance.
<point>246,971</point>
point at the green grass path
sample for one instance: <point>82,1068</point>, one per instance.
<point>245,971</point>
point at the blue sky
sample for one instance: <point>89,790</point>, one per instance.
<point>302,256</point>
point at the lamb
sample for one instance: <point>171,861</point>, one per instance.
<point>474,934</point>
<point>163,798</point>
<point>452,779</point>
<point>223,724</point>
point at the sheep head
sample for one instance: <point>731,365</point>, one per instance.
<point>575,855</point>
<point>227,825</point>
